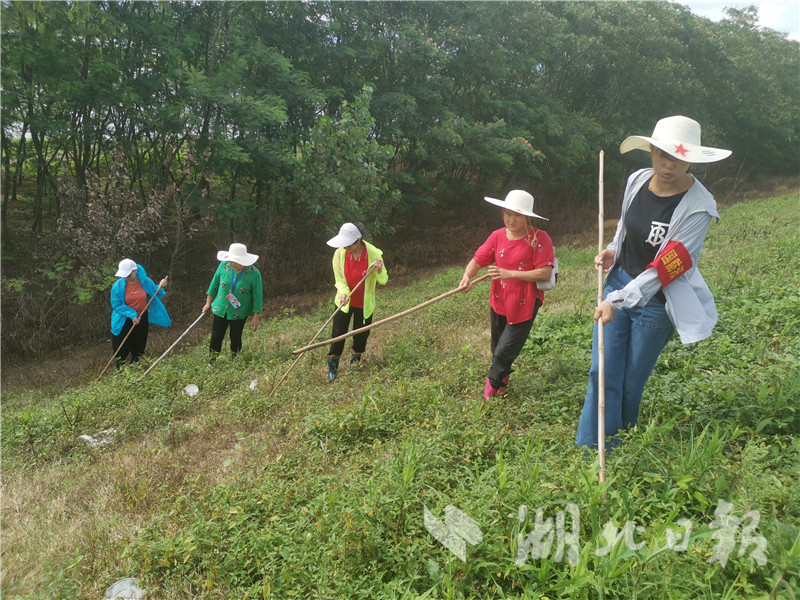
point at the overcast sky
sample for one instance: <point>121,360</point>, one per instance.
<point>780,15</point>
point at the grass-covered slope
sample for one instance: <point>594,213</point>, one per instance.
<point>321,490</point>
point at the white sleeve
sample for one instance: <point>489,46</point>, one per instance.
<point>691,233</point>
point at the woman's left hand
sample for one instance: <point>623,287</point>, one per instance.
<point>498,273</point>
<point>254,322</point>
<point>604,311</point>
<point>379,265</point>
<point>163,283</point>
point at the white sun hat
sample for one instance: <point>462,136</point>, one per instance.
<point>126,267</point>
<point>347,236</point>
<point>679,137</point>
<point>237,253</point>
<point>518,201</point>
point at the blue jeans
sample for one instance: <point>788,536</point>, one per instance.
<point>632,343</point>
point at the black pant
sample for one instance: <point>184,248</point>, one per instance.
<point>218,329</point>
<point>136,342</point>
<point>507,343</point>
<point>341,321</point>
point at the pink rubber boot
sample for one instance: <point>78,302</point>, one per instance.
<point>489,391</point>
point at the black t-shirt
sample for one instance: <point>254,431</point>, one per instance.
<point>646,224</point>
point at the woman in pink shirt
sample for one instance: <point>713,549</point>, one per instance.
<point>518,256</point>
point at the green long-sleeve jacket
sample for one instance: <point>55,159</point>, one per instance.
<point>249,291</point>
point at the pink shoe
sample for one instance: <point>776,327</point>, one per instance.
<point>489,391</point>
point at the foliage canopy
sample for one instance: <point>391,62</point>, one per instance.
<point>253,119</point>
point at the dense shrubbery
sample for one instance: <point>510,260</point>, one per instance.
<point>264,122</point>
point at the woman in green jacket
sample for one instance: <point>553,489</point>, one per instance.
<point>235,293</point>
<point>351,261</point>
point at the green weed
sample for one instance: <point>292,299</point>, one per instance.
<point>320,490</point>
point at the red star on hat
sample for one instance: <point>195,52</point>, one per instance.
<point>679,149</point>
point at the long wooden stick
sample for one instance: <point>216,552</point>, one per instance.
<point>146,306</point>
<point>601,358</point>
<point>387,319</point>
<point>171,347</point>
<point>311,341</point>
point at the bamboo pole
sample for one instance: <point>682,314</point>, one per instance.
<point>146,306</point>
<point>387,319</point>
<point>601,359</point>
<point>311,341</point>
<point>171,347</point>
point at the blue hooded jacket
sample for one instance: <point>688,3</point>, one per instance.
<point>156,313</point>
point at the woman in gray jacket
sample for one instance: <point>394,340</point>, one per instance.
<point>653,286</point>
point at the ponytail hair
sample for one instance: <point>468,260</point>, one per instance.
<point>362,230</point>
<point>528,224</point>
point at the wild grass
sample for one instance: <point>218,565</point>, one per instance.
<point>319,491</point>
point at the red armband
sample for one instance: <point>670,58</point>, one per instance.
<point>672,262</point>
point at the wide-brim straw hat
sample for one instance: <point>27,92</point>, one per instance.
<point>679,137</point>
<point>237,253</point>
<point>518,201</point>
<point>348,235</point>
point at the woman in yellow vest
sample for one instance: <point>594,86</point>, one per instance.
<point>351,261</point>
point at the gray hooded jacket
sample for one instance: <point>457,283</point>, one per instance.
<point>690,305</point>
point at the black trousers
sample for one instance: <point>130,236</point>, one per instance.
<point>218,329</point>
<point>341,321</point>
<point>135,344</point>
<point>507,343</point>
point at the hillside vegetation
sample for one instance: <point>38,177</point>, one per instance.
<point>164,131</point>
<point>321,491</point>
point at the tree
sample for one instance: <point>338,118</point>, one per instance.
<point>757,98</point>
<point>342,173</point>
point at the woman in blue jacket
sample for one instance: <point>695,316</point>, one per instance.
<point>129,296</point>
<point>653,287</point>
